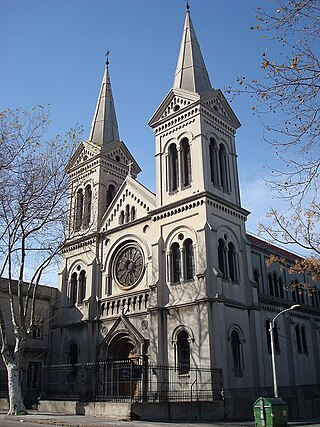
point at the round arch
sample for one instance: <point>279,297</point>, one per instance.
<point>173,235</point>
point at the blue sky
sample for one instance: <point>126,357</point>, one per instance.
<point>52,52</point>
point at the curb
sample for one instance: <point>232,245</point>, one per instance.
<point>58,422</point>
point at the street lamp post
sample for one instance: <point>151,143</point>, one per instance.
<point>273,353</point>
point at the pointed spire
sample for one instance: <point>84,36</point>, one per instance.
<point>104,128</point>
<point>191,73</point>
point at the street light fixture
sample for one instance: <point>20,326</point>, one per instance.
<point>273,353</point>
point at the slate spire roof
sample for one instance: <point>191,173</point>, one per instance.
<point>191,73</point>
<point>104,128</point>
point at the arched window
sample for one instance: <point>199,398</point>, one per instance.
<point>186,162</point>
<point>79,209</point>
<point>232,262</point>
<point>314,297</point>
<point>127,215</point>
<point>213,161</point>
<point>298,338</point>
<point>133,213</point>
<point>297,292</point>
<point>256,276</point>
<point>82,286</point>
<point>304,339</point>
<point>73,354</point>
<point>173,168</point>
<point>183,350</point>
<point>280,285</point>
<point>73,360</point>
<point>223,166</point>
<point>111,192</point>
<point>176,263</point>
<point>301,292</point>
<point>73,289</point>
<point>270,283</point>
<point>121,218</point>
<point>88,203</point>
<point>221,249</point>
<point>236,352</point>
<point>275,285</point>
<point>189,259</point>
<point>293,291</point>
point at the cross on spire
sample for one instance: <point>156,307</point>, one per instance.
<point>107,56</point>
<point>104,128</point>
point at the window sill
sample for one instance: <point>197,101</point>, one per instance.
<point>175,283</point>
<point>185,187</point>
<point>233,282</point>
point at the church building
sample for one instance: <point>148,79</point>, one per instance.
<point>164,297</point>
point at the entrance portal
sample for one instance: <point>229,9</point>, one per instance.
<point>123,372</point>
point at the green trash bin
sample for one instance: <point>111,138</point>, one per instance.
<point>270,412</point>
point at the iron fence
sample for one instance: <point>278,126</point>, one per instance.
<point>129,381</point>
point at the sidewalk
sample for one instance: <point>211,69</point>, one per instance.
<point>87,421</point>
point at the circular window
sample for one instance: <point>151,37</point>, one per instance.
<point>128,266</point>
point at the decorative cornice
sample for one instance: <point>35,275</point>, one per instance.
<point>70,246</point>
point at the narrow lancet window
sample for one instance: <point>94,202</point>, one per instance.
<point>73,289</point>
<point>232,262</point>
<point>176,263</point>
<point>236,352</point>
<point>223,168</point>
<point>110,193</point>
<point>79,210</point>
<point>183,353</point>
<point>88,203</point>
<point>221,256</point>
<point>189,259</point>
<point>82,286</point>
<point>186,162</point>
<point>173,168</point>
<point>213,161</point>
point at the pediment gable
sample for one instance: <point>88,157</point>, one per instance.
<point>218,103</point>
<point>83,153</point>
<point>173,103</point>
<point>123,325</point>
<point>118,152</point>
<point>133,201</point>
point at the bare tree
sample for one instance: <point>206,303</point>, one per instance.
<point>288,99</point>
<point>32,222</point>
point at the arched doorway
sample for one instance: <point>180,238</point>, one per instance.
<point>123,370</point>
<point>120,347</point>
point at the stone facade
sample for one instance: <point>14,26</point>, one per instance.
<point>173,278</point>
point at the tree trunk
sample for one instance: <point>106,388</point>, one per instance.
<point>16,405</point>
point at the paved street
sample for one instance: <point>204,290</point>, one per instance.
<point>34,419</point>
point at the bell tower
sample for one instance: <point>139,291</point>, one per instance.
<point>195,132</point>
<point>98,166</point>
